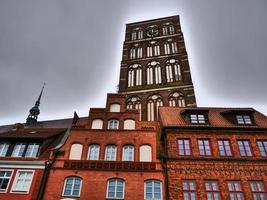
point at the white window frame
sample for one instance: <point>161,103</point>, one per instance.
<point>17,155</point>
<point>124,155</point>
<point>116,179</point>
<point>9,181</point>
<point>89,150</point>
<point>5,144</point>
<point>95,124</point>
<point>113,127</point>
<point>65,181</point>
<point>115,156</point>
<point>31,153</point>
<point>152,189</point>
<point>16,179</point>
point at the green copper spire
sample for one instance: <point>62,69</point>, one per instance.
<point>34,111</point>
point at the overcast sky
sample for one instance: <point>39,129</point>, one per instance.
<point>76,48</point>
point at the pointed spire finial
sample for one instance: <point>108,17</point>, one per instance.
<point>35,111</point>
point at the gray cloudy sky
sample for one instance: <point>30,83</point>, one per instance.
<point>76,48</point>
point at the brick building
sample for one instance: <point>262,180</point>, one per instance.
<point>154,69</point>
<point>110,155</point>
<point>214,153</point>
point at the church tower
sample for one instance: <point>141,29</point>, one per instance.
<point>154,69</point>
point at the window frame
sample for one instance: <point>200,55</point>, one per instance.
<point>264,152</point>
<point>212,191</point>
<point>2,150</point>
<point>37,153</point>
<point>113,120</point>
<point>197,119</point>
<point>245,149</point>
<point>235,192</point>
<point>16,179</point>
<point>204,147</point>
<point>189,190</point>
<point>244,119</point>
<point>64,187</point>
<point>9,181</point>
<point>123,152</point>
<point>153,180</point>
<point>258,192</point>
<point>115,157</point>
<point>184,149</point>
<point>24,150</point>
<point>115,192</point>
<point>89,150</point>
<point>224,149</point>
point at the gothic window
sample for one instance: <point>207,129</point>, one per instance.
<point>76,152</point>
<point>136,52</point>
<point>137,34</point>
<point>170,47</point>
<point>153,70</point>
<point>97,124</point>
<point>154,102</point>
<point>176,100</point>
<point>135,103</point>
<point>145,153</point>
<point>168,29</point>
<point>135,75</point>
<point>173,71</point>
<point>153,49</point>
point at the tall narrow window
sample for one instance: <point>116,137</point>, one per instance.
<point>169,73</point>
<point>150,76</point>
<point>138,76</point>
<point>263,147</point>
<point>3,149</point>
<point>135,103</point>
<point>167,48</point>
<point>76,152</point>
<point>176,99</point>
<point>258,190</point>
<point>235,190</point>
<point>173,71</point>
<point>72,186</point>
<point>113,124</point>
<point>157,74</point>
<point>153,190</point>
<point>224,148</point>
<point>145,153</point>
<point>170,47</point>
<point>189,190</point>
<point>128,153</point>
<point>137,34</point>
<point>32,150</point>
<point>154,102</point>
<point>244,148</point>
<point>136,52</point>
<point>204,147</point>
<point>132,53</point>
<point>212,190</point>
<point>168,29</point>
<point>18,150</point>
<point>131,78</point>
<point>115,189</point>
<point>93,152</point>
<point>153,49</point>
<point>135,75</point>
<point>150,110</point>
<point>184,147</point>
<point>5,176</point>
<point>111,151</point>
<point>22,182</point>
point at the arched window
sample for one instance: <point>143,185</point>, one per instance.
<point>135,75</point>
<point>76,152</point>
<point>137,34</point>
<point>154,102</point>
<point>72,186</point>
<point>153,70</point>
<point>145,153</point>
<point>93,152</point>
<point>134,103</point>
<point>111,152</point>
<point>153,190</point>
<point>153,49</point>
<point>115,189</point>
<point>168,29</point>
<point>129,124</point>
<point>136,52</point>
<point>128,153</point>
<point>173,71</point>
<point>176,100</point>
<point>115,107</point>
<point>113,124</point>
<point>97,124</point>
<point>170,47</point>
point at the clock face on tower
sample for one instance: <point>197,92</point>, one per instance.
<point>152,31</point>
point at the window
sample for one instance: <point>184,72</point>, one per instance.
<point>136,52</point>
<point>243,119</point>
<point>197,119</point>
<point>129,124</point>
<point>235,190</point>
<point>22,182</point>
<point>3,149</point>
<point>18,150</point>
<point>145,153</point>
<point>262,147</point>
<point>184,147</point>
<point>93,152</point>
<point>244,148</point>
<point>168,29</point>
<point>152,67</point>
<point>153,190</point>
<point>72,186</point>
<point>137,34</point>
<point>154,102</point>
<point>32,150</point>
<point>173,70</point>
<point>115,189</point>
<point>111,151</point>
<point>135,75</point>
<point>170,47</point>
<point>76,152</point>
<point>115,107</point>
<point>189,190</point>
<point>5,176</point>
<point>135,103</point>
<point>224,148</point>
<point>153,49</point>
<point>258,190</point>
<point>176,99</point>
<point>212,190</point>
<point>113,124</point>
<point>128,153</point>
<point>97,124</point>
<point>204,147</point>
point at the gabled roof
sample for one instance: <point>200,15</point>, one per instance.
<point>173,117</point>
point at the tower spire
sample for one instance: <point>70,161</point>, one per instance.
<point>34,111</point>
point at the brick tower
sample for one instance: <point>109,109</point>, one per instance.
<point>154,69</point>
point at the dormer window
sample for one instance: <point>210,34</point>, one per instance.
<point>197,119</point>
<point>243,119</point>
